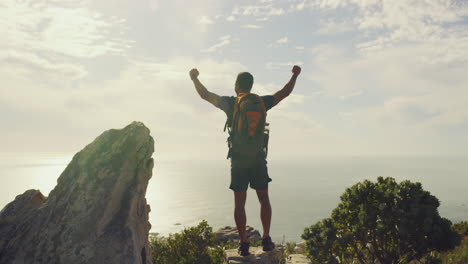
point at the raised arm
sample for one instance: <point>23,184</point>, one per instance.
<point>201,89</point>
<point>287,89</point>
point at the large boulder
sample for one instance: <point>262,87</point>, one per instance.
<point>257,256</point>
<point>229,233</point>
<point>97,212</point>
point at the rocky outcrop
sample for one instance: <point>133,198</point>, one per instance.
<point>97,212</point>
<point>257,256</point>
<point>230,233</point>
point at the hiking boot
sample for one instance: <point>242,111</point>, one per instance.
<point>267,244</point>
<point>244,249</point>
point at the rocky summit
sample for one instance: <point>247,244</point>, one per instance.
<point>97,212</point>
<point>229,233</point>
<point>257,256</point>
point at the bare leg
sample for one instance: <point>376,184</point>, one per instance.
<point>265,211</point>
<point>239,214</point>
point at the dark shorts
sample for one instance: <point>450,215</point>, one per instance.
<point>255,173</point>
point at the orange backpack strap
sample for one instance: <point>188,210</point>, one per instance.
<point>254,117</point>
<point>236,109</point>
<point>261,100</point>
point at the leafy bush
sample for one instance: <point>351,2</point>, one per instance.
<point>458,255</point>
<point>290,248</point>
<point>193,245</point>
<point>230,244</point>
<point>286,250</point>
<point>461,228</point>
<point>384,222</point>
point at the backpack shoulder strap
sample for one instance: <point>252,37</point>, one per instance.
<point>237,102</point>
<point>260,99</point>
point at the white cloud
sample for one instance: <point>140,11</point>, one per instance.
<point>50,40</point>
<point>293,99</point>
<point>279,42</point>
<point>260,10</point>
<point>158,93</point>
<point>401,91</point>
<point>347,96</point>
<point>71,30</point>
<point>283,40</point>
<point>390,22</point>
<point>204,20</point>
<point>333,27</point>
<point>401,74</point>
<point>30,63</point>
<point>299,7</point>
<point>252,26</point>
<point>406,72</point>
<point>222,41</point>
<point>280,65</point>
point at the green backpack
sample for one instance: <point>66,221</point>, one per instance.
<point>248,137</point>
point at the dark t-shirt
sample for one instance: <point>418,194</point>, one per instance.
<point>226,103</point>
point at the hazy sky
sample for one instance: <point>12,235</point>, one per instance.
<point>379,76</point>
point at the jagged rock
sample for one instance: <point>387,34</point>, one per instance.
<point>257,256</point>
<point>298,259</point>
<point>97,212</point>
<point>229,233</point>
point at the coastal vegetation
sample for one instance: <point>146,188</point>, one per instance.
<point>376,222</point>
<point>382,222</point>
<point>193,245</point>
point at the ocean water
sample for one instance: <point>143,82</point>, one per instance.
<point>183,192</point>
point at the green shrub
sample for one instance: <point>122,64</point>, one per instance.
<point>461,228</point>
<point>458,255</point>
<point>381,222</point>
<point>193,245</point>
<point>286,250</point>
<point>290,248</point>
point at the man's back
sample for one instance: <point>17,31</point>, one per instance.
<point>246,120</point>
<point>255,171</point>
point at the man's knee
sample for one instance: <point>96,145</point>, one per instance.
<point>239,200</point>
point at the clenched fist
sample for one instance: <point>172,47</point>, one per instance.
<point>194,73</point>
<point>296,70</point>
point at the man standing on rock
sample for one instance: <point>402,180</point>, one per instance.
<point>248,142</point>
